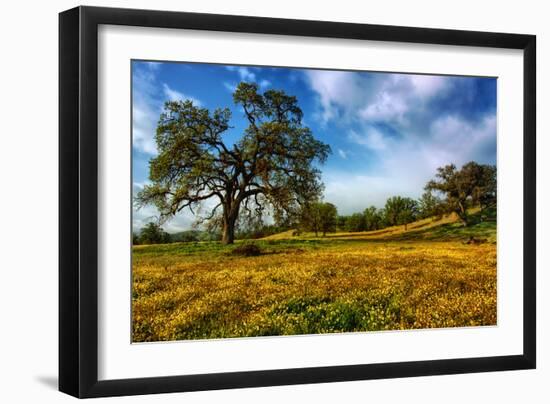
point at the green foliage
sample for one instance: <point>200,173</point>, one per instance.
<point>341,222</point>
<point>400,211</point>
<point>319,217</point>
<point>430,205</point>
<point>355,222</point>
<point>152,233</point>
<point>328,214</point>
<point>373,218</point>
<point>315,315</point>
<point>474,184</point>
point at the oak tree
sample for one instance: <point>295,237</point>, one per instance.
<point>473,185</point>
<point>272,166</point>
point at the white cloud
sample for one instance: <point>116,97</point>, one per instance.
<point>231,87</point>
<point>352,192</point>
<point>428,86</point>
<point>265,83</point>
<point>386,106</point>
<point>147,104</point>
<point>145,111</point>
<point>174,95</point>
<point>340,93</point>
<point>244,72</point>
<point>181,222</point>
<point>171,94</point>
<point>371,138</point>
<point>403,166</point>
<point>462,140</point>
<point>402,172</point>
<point>342,154</point>
<point>152,65</point>
<point>184,220</point>
<point>401,128</point>
<point>392,98</point>
<point>410,163</point>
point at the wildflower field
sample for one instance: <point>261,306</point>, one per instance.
<point>428,276</point>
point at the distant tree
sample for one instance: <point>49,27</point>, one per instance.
<point>485,194</point>
<point>409,212</point>
<point>355,222</point>
<point>328,214</point>
<point>152,233</point>
<point>272,166</point>
<point>474,184</point>
<point>429,205</point>
<point>383,219</point>
<point>319,217</point>
<point>135,239</point>
<point>341,222</point>
<point>373,219</point>
<point>391,210</point>
<point>400,211</point>
<point>310,219</point>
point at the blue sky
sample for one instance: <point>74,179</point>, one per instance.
<point>388,132</point>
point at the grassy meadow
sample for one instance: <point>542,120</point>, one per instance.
<point>427,276</point>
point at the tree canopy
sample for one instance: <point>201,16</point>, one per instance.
<point>355,222</point>
<point>430,205</point>
<point>400,210</point>
<point>473,184</point>
<point>319,217</point>
<point>152,233</point>
<point>273,164</point>
<point>373,218</point>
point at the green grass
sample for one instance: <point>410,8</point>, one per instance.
<point>453,231</point>
<point>216,248</point>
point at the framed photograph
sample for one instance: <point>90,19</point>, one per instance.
<point>251,201</point>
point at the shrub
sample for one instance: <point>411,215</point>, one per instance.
<point>247,250</point>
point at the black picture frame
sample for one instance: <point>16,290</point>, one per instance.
<point>78,201</point>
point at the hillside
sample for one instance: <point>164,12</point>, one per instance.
<point>445,228</point>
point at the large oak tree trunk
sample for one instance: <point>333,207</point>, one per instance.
<point>229,220</point>
<point>228,233</point>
